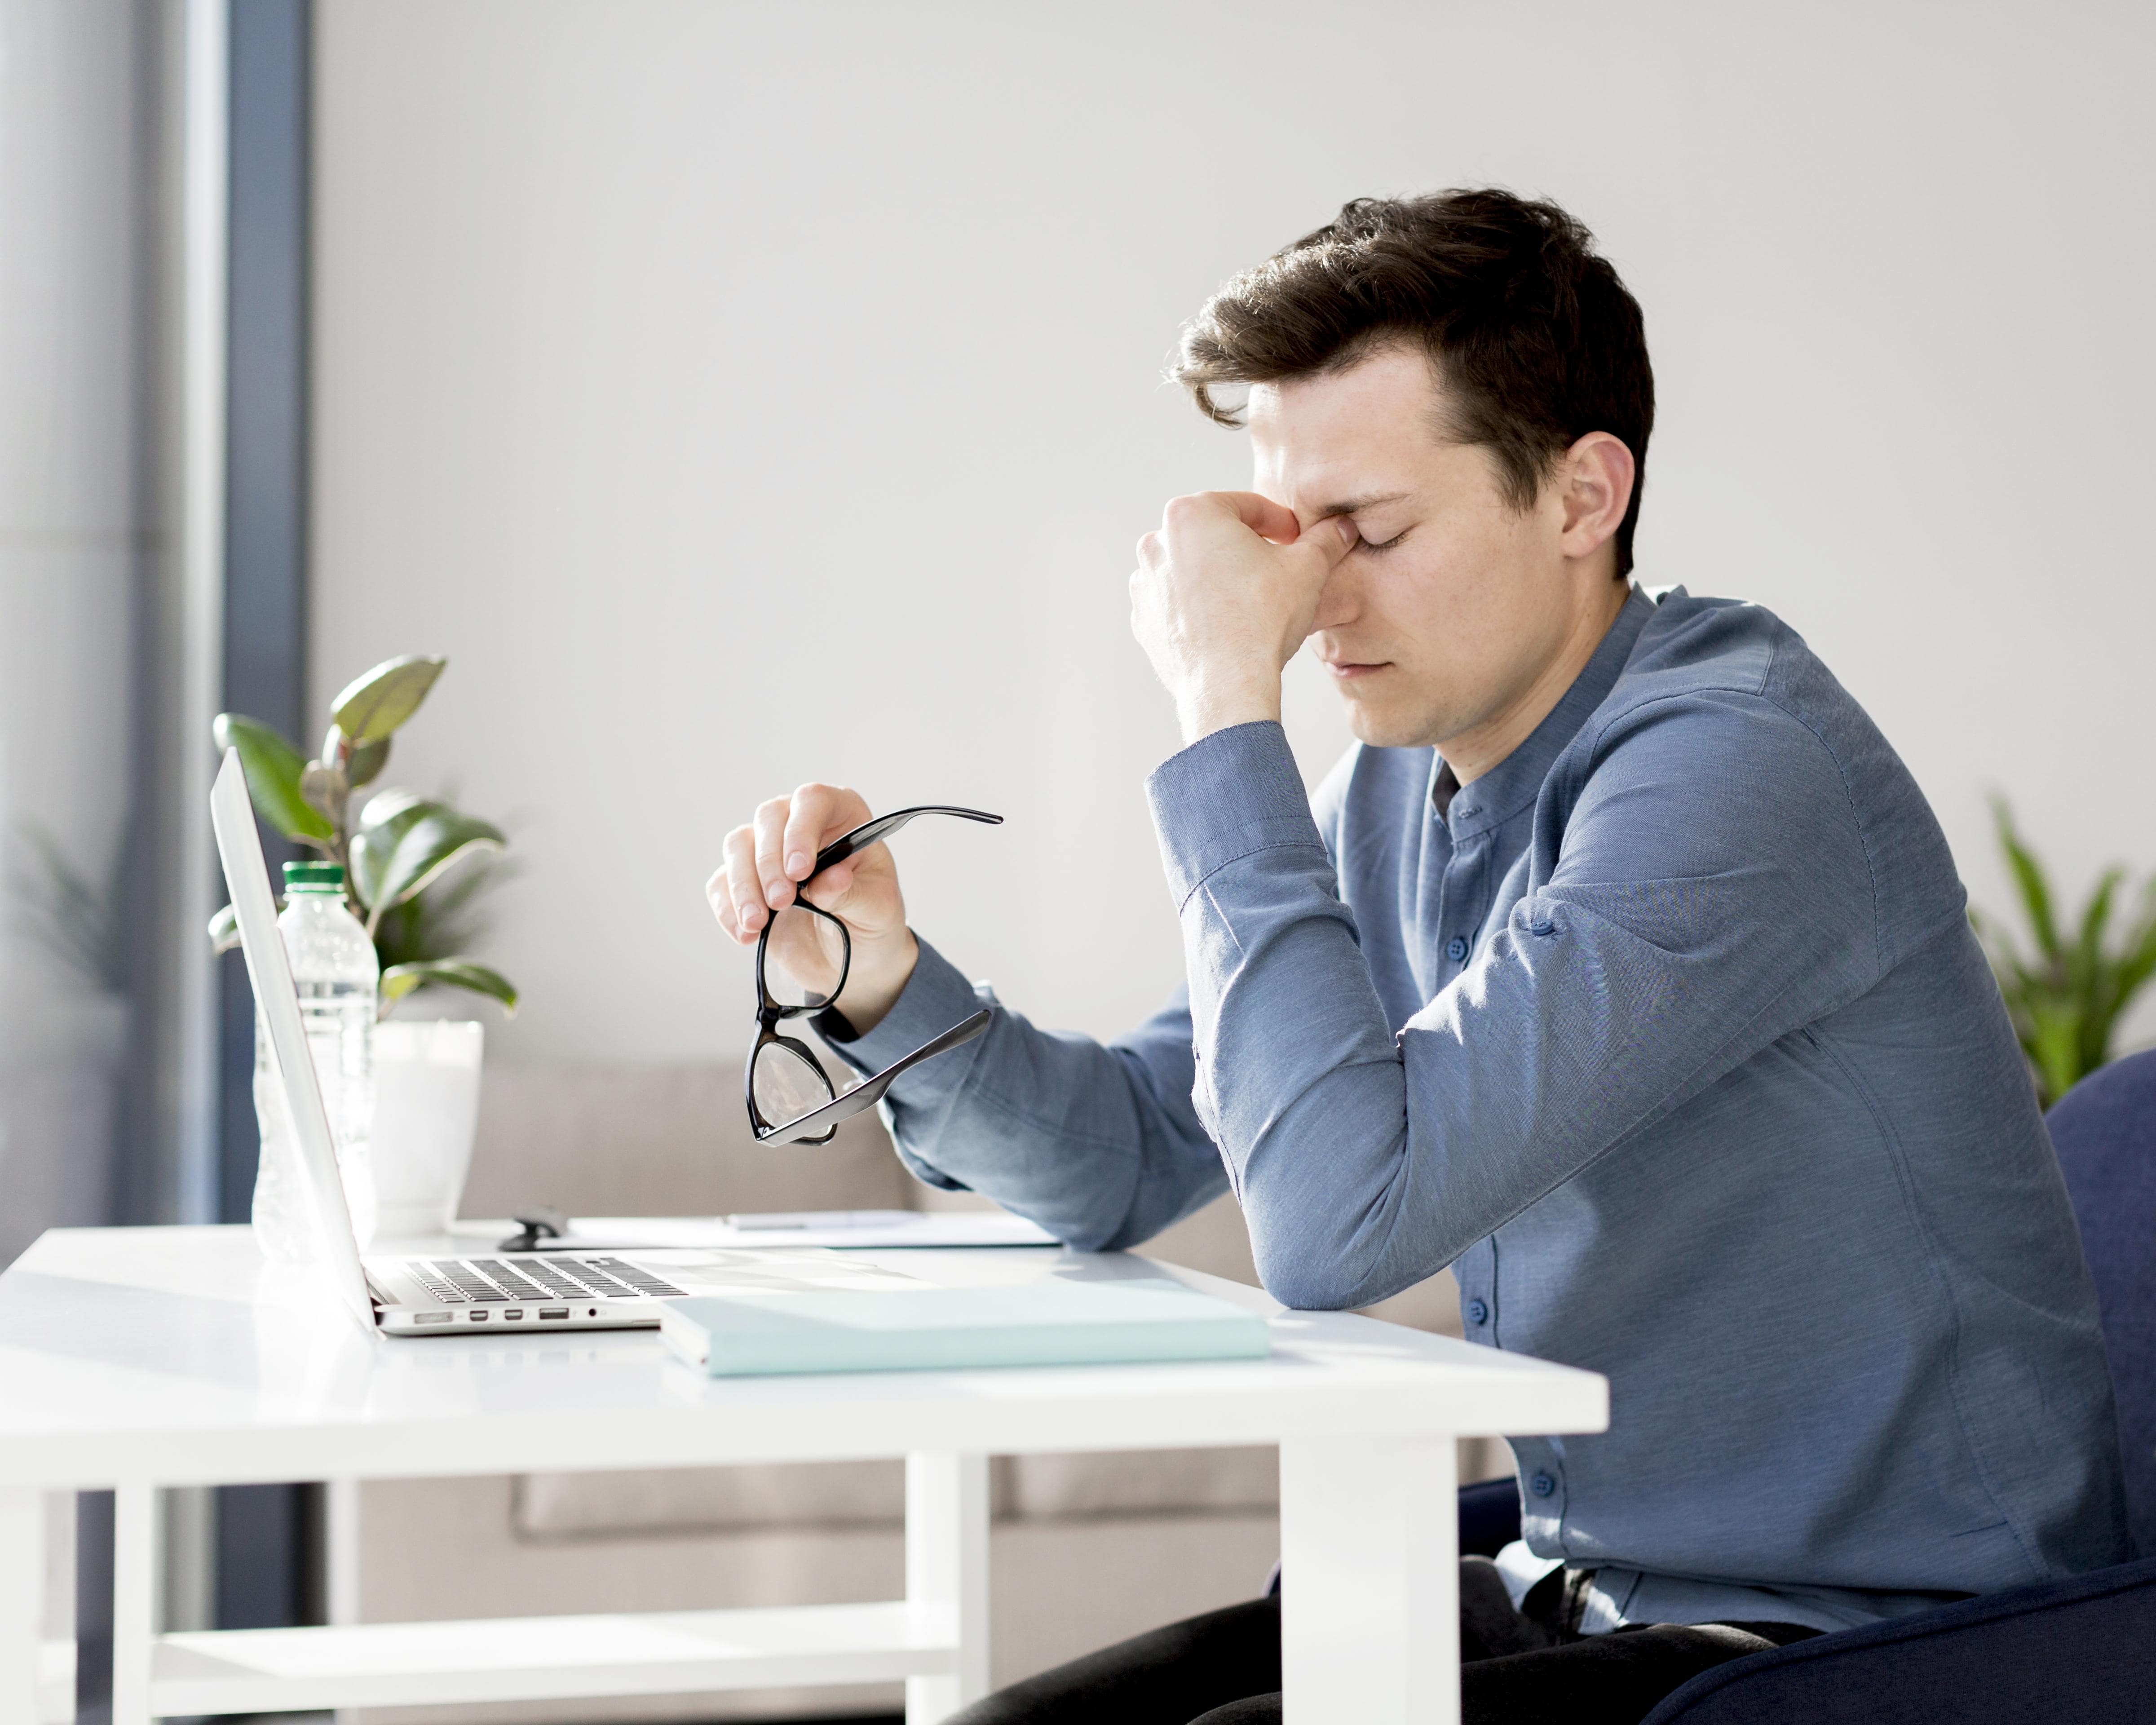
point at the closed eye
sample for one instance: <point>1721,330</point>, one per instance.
<point>1384,544</point>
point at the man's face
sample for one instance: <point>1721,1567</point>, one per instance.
<point>1440,620</point>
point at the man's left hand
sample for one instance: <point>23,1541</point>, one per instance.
<point>1224,594</point>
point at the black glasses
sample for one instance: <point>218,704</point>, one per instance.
<point>791,1097</point>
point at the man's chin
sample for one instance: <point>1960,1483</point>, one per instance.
<point>1378,726</point>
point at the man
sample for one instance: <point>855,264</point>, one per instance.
<point>1621,967</point>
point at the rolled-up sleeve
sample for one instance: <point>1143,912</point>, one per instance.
<point>1664,942</point>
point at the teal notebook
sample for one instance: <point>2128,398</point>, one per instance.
<point>1047,1323</point>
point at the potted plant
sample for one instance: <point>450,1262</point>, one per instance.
<point>62,1036</point>
<point>2066,1000</point>
<point>413,866</point>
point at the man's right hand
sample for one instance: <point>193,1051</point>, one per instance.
<point>765,862</point>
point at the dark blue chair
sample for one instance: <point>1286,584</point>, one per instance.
<point>2080,1651</point>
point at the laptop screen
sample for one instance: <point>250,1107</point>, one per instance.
<point>247,875</point>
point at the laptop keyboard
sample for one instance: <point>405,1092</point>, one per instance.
<point>474,1281</point>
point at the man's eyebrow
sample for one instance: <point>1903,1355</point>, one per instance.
<point>1352,505</point>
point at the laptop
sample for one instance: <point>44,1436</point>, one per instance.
<point>599,1290</point>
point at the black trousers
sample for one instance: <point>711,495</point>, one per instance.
<point>1225,1668</point>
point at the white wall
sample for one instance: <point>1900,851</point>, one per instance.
<point>71,322</point>
<point>741,393</point>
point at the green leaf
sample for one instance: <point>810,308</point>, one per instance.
<point>376,702</point>
<point>447,920</point>
<point>224,931</point>
<point>363,762</point>
<point>401,979</point>
<point>2137,964</point>
<point>324,788</point>
<point>2096,918</point>
<point>273,768</point>
<point>386,805</point>
<point>2055,1048</point>
<point>367,761</point>
<point>405,841</point>
<point>2029,877</point>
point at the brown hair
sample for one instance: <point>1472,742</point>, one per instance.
<point>1537,340</point>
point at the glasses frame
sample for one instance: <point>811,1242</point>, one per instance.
<point>820,1124</point>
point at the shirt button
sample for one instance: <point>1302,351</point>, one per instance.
<point>1543,926</point>
<point>1541,1485</point>
<point>1478,1312</point>
<point>1456,949</point>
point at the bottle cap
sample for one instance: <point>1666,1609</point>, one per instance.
<point>314,877</point>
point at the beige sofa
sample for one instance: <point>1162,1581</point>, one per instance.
<point>1084,1548</point>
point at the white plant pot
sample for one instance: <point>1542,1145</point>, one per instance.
<point>426,1110</point>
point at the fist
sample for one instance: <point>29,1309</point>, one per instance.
<point>1226,589</point>
<point>768,860</point>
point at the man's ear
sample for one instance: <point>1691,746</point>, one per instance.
<point>1595,479</point>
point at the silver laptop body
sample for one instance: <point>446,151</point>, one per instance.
<point>446,1296</point>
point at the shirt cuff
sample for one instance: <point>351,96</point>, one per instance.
<point>935,997</point>
<point>1226,796</point>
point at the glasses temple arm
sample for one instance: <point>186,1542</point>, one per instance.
<point>882,827</point>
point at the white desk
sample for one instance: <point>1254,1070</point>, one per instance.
<point>140,1358</point>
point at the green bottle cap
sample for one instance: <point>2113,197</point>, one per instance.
<point>314,877</point>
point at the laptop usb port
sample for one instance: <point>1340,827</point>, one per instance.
<point>512,1312</point>
<point>477,1317</point>
<point>552,1311</point>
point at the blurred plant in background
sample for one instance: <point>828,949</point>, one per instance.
<point>403,848</point>
<point>2066,1000</point>
<point>73,917</point>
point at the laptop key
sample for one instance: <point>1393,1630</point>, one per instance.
<point>604,1283</point>
<point>642,1280</point>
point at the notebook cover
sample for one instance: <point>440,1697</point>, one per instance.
<point>1048,1323</point>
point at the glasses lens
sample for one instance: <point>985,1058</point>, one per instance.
<point>805,961</point>
<point>786,1086</point>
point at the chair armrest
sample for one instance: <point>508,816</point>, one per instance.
<point>1489,1516</point>
<point>2083,1649</point>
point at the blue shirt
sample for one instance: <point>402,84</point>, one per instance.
<point>1670,1035</point>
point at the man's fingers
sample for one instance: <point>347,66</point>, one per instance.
<point>1328,539</point>
<point>828,890</point>
<point>770,824</point>
<point>744,886</point>
<point>1331,538</point>
<point>1334,536</point>
<point>819,813</point>
<point>718,893</point>
<point>1263,516</point>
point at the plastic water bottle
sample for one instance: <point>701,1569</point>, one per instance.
<point>336,972</point>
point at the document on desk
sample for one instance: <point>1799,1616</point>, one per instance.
<point>725,1272</point>
<point>856,1230</point>
<point>1046,1323</point>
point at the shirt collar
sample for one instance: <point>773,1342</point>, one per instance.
<point>1513,783</point>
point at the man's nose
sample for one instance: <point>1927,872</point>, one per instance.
<point>1340,600</point>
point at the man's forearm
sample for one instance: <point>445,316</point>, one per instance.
<point>1097,1143</point>
<point>1610,993</point>
<point>1298,1077</point>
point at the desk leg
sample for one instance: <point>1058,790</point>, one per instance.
<point>57,1655</point>
<point>37,1607</point>
<point>136,1563</point>
<point>1369,1581</point>
<point>27,1674</point>
<point>947,1570</point>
